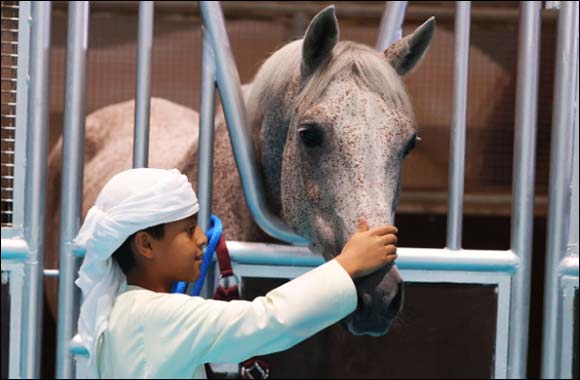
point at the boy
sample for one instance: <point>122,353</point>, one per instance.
<point>141,237</point>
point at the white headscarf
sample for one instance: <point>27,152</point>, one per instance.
<point>131,201</point>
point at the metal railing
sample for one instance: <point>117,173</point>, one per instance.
<point>562,234</point>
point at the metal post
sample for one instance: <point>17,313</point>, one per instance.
<point>523,184</point>
<point>206,142</point>
<point>560,180</point>
<point>143,97</point>
<point>206,133</point>
<point>235,113</point>
<point>37,154</point>
<point>391,29</point>
<point>72,180</point>
<point>457,144</point>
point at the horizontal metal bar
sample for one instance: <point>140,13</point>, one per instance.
<point>408,258</point>
<point>461,260</point>
<point>569,266</point>
<point>15,249</point>
<point>51,273</point>
<point>272,254</point>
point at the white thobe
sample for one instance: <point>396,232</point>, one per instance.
<point>161,335</point>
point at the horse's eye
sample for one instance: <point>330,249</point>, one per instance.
<point>311,135</point>
<point>410,145</point>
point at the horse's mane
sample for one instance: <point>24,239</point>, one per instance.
<point>368,67</point>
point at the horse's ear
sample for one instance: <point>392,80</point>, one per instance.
<point>320,38</point>
<point>406,53</point>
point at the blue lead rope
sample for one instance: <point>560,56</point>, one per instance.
<point>213,234</point>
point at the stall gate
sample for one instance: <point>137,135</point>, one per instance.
<point>25,78</point>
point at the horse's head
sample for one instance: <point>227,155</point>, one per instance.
<point>335,124</point>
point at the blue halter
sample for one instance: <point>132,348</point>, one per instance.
<point>213,234</point>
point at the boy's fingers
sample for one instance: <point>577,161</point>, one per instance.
<point>362,224</point>
<point>391,249</point>
<point>384,230</point>
<point>389,239</point>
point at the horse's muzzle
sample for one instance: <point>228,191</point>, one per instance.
<point>376,309</point>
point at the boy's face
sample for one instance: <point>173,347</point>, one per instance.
<point>178,256</point>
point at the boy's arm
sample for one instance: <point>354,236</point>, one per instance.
<point>191,331</point>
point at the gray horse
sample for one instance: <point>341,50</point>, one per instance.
<point>331,123</point>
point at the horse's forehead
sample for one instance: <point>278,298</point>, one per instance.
<point>346,103</point>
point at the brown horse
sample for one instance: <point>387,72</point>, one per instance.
<point>331,122</point>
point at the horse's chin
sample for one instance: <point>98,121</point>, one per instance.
<point>379,302</point>
<point>360,324</point>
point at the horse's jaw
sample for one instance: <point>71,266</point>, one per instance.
<point>378,305</point>
<point>380,299</point>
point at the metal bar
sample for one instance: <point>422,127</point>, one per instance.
<point>560,180</point>
<point>37,154</point>
<point>51,273</point>
<point>15,249</point>
<point>567,319</point>
<point>235,113</point>
<point>408,258</point>
<point>72,180</point>
<point>206,133</point>
<point>457,143</point>
<point>143,98</point>
<point>569,266</point>
<point>206,144</point>
<point>523,188</point>
<point>391,28</point>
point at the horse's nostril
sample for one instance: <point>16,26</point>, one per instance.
<point>395,305</point>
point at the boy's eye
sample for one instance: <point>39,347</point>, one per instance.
<point>190,230</point>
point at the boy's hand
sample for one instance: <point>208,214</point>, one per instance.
<point>368,250</point>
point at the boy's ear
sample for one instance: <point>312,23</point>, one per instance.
<point>142,245</point>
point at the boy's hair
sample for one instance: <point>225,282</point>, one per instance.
<point>124,254</point>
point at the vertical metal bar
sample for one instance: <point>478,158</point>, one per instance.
<point>72,179</point>
<point>560,179</point>
<point>235,113</point>
<point>143,97</point>
<point>574,231</point>
<point>457,143</point>
<point>22,88</point>
<point>523,183</point>
<point>206,133</point>
<point>35,189</point>
<point>206,142</point>
<point>391,28</point>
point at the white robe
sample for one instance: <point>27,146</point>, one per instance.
<point>160,335</point>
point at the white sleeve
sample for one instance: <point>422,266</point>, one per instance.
<point>190,331</point>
